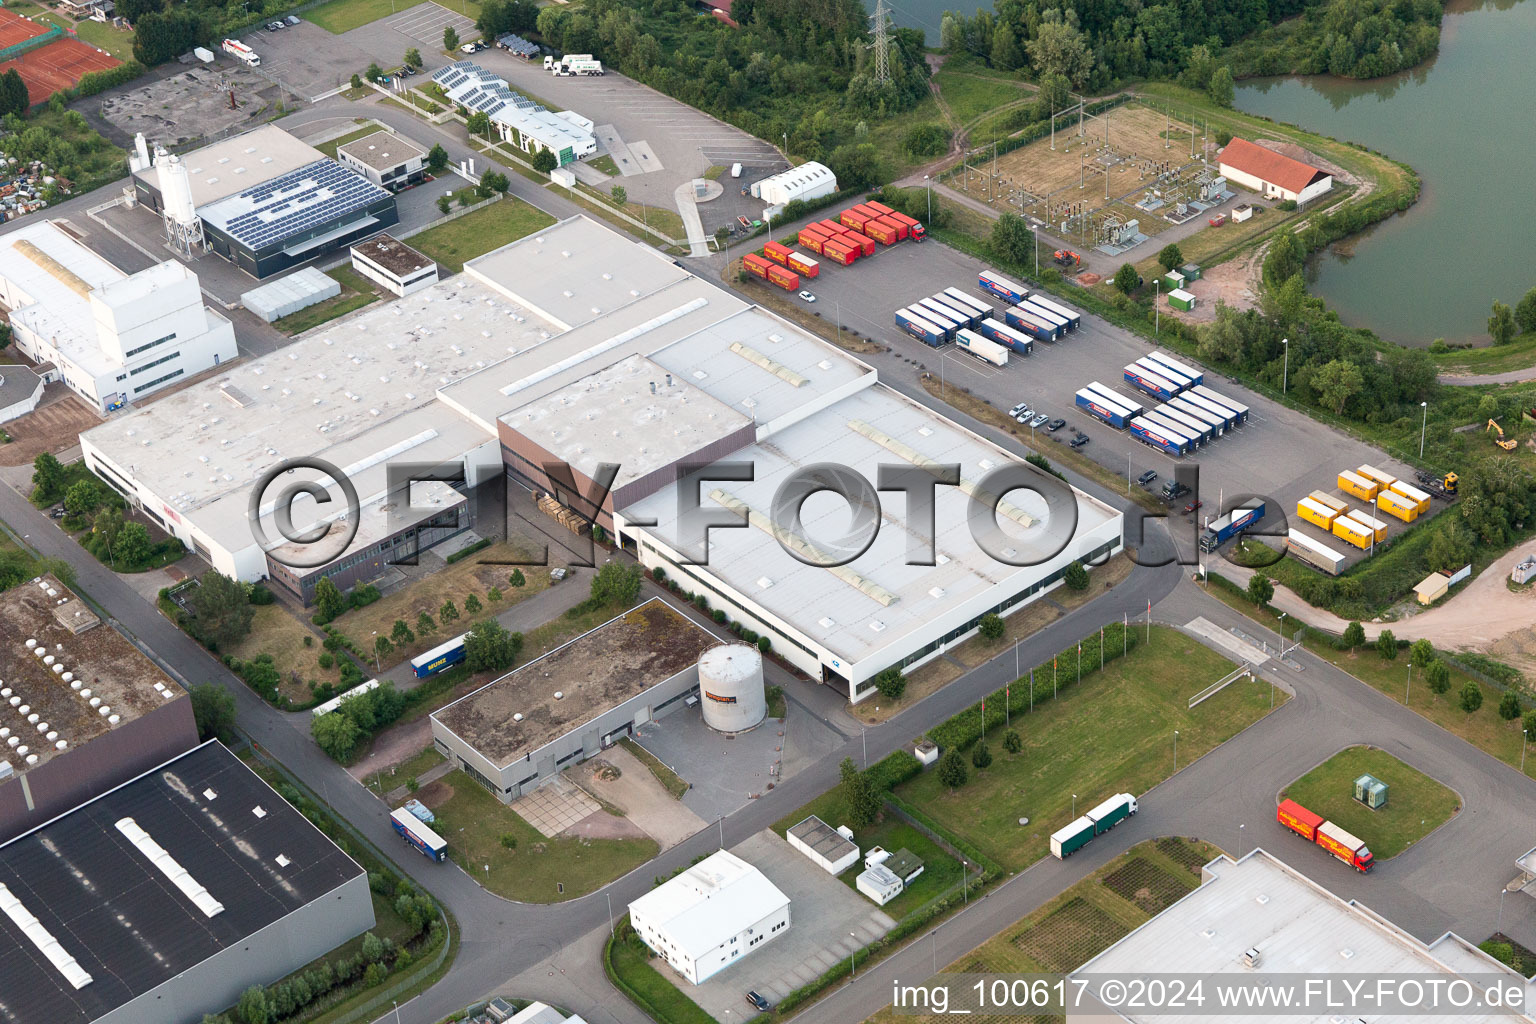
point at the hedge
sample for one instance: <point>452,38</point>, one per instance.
<point>893,769</point>
<point>965,728</point>
<point>465,552</point>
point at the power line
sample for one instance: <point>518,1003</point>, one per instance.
<point>882,43</point>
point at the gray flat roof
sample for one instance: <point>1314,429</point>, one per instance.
<point>823,838</point>
<point>383,150</point>
<point>17,383</point>
<point>392,254</point>
<point>235,164</point>
<point>598,670</point>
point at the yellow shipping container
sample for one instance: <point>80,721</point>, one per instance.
<point>1416,497</point>
<point>1327,500</point>
<point>1320,516</point>
<point>1349,530</point>
<point>1377,477</point>
<point>1351,482</point>
<point>1368,522</point>
<point>1396,505</point>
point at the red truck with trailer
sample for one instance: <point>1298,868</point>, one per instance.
<point>840,251</point>
<point>1313,828</point>
<point>895,225</point>
<point>881,230</point>
<point>786,279</point>
<point>776,252</point>
<point>803,265</point>
<point>755,264</point>
<point>879,208</point>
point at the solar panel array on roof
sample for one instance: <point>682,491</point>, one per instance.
<point>307,198</point>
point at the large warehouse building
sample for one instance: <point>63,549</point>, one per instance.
<point>1272,175</point>
<point>268,202</point>
<point>162,900</point>
<point>575,701</point>
<point>81,709</point>
<point>578,345</point>
<point>112,338</point>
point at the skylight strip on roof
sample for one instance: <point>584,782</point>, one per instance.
<point>43,939</point>
<point>168,866</point>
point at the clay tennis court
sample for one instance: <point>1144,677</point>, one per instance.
<point>54,66</point>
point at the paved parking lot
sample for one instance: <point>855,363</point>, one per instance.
<point>828,922</point>
<point>425,23</point>
<point>308,61</point>
<point>1281,453</point>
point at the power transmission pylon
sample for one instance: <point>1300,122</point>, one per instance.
<point>882,43</point>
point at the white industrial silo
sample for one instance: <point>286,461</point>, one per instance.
<point>731,688</point>
<point>183,227</point>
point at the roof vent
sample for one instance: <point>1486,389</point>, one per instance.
<point>1261,899</point>
<point>559,695</point>
<point>764,582</point>
<point>1251,957</point>
<point>877,626</point>
<point>258,811</point>
<point>517,717</point>
<point>283,861</point>
<point>1347,954</point>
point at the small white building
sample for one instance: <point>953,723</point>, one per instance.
<point>1272,175</point>
<point>808,181</point>
<point>113,338</point>
<point>710,916</point>
<point>879,883</point>
<point>832,849</point>
<point>393,265</point>
<point>386,159</point>
<point>20,391</point>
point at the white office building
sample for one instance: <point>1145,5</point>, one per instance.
<point>113,338</point>
<point>710,916</point>
<point>519,120</point>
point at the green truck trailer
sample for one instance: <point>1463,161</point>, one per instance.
<point>1067,841</point>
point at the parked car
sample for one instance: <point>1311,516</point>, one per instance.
<point>1025,415</point>
<point>1079,441</point>
<point>757,1002</point>
<point>1147,477</point>
<point>1192,506</point>
<point>467,48</point>
<point>1055,424</point>
<point>57,513</point>
<point>1019,410</point>
<point>1040,420</point>
<point>292,19</point>
<point>275,26</point>
<point>807,296</point>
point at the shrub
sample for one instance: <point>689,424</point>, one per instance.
<point>1438,676</point>
<point>1421,653</point>
<point>1012,742</point>
<point>981,755</point>
<point>517,578</point>
<point>991,627</point>
<point>509,840</point>
<point>764,644</point>
<point>1509,706</point>
<point>1354,635</point>
<point>327,660</point>
<point>1261,590</point>
<point>1471,697</point>
<point>1076,577</point>
<point>952,770</point>
<point>1386,645</point>
<point>891,683</point>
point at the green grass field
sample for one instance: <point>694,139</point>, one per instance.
<point>356,292</point>
<point>1517,355</point>
<point>473,822</point>
<point>454,243</point>
<point>117,42</point>
<point>1416,804</point>
<point>1112,734</point>
<point>972,90</point>
<point>330,148</point>
<point>631,962</point>
<point>412,767</point>
<point>340,16</point>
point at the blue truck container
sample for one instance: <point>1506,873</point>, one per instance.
<point>1239,410</point>
<point>1168,425</point>
<point>919,328</point>
<point>1221,412</point>
<point>1204,431</point>
<point>1094,405</point>
<point>439,658</point>
<point>996,330</point>
<point>1040,311</point>
<point>981,307</point>
<point>1021,319</point>
<point>1180,382</point>
<point>1194,375</point>
<point>993,283</point>
<point>1149,434</point>
<point>1224,528</point>
<point>1145,380</point>
<point>1129,407</point>
<point>943,311</point>
<point>1218,424</point>
<point>1074,319</point>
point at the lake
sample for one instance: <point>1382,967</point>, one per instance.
<point>1466,121</point>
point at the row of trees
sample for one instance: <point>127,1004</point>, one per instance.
<point>1505,323</point>
<point>1349,38</point>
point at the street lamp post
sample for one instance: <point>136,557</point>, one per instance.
<point>1240,840</point>
<point>928,185</point>
<point>965,881</point>
<point>375,652</point>
<point>1409,688</point>
<point>1157,312</point>
<point>1175,750</point>
<point>1499,927</point>
<point>1423,425</point>
<point>853,965</point>
<point>1525,738</point>
<point>1285,373</point>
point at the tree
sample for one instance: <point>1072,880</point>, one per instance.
<point>617,584</point>
<point>450,38</point>
<point>1170,257</point>
<point>160,35</point>
<point>1421,653</point>
<point>448,612</point>
<point>1261,589</point>
<point>1386,645</point>
<point>437,158</point>
<point>489,647</point>
<point>81,498</point>
<point>981,755</point>
<point>1126,279</point>
<point>545,161</point>
<point>413,58</point>
<point>1438,676</point>
<point>991,627</point>
<point>252,1007</point>
<point>891,683</point>
<point>493,595</point>
<point>1006,53</point>
<point>862,800</point>
<point>620,195</point>
<point>925,139</point>
<point>373,948</point>
<point>1471,697</point>
<point>425,624</point>
<point>329,601</point>
<point>952,770</point>
<point>132,547</point>
<point>857,165</point>
<point>1221,89</point>
<point>1012,741</point>
<point>13,93</point>
<point>133,10</point>
<point>1336,382</point>
<point>47,475</point>
<point>478,123</point>
<point>1529,723</point>
<point>374,72</point>
<point>1501,325</point>
<point>401,633</point>
<point>1012,239</point>
<point>382,646</point>
<point>1525,312</point>
<point>1509,706</point>
<point>1450,548</point>
<point>444,204</point>
<point>493,183</point>
<point>1354,635</point>
<point>1075,577</point>
<point>1059,48</point>
<point>221,610</point>
<point>213,709</point>
<point>336,734</point>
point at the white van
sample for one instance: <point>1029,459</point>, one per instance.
<point>735,170</point>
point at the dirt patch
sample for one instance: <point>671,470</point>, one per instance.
<point>52,427</point>
<point>394,745</point>
<point>1088,279</point>
<point>435,794</point>
<point>602,825</point>
<point>1235,282</point>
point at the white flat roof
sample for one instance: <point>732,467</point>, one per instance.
<point>383,150</point>
<point>710,902</point>
<point>238,163</point>
<point>1299,928</point>
<point>58,310</point>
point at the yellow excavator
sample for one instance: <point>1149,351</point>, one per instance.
<point>1507,445</point>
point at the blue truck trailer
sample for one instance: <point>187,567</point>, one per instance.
<point>1094,405</point>
<point>1223,528</point>
<point>981,307</point>
<point>1021,319</point>
<point>1040,311</point>
<point>1150,434</point>
<point>1145,380</point>
<point>1194,375</point>
<point>1001,333</point>
<point>993,283</point>
<point>1074,319</point>
<point>922,329</point>
<point>1239,410</point>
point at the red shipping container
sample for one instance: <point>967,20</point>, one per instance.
<point>831,227</point>
<point>756,264</point>
<point>854,218</point>
<point>864,244</point>
<point>786,279</point>
<point>812,241</point>
<point>840,252</point>
<point>896,225</point>
<point>1298,819</point>
<point>881,231</point>
<point>776,252</point>
<point>803,265</point>
<point>880,208</point>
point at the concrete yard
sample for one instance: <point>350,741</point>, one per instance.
<point>828,922</point>
<point>306,61</point>
<point>1281,453</point>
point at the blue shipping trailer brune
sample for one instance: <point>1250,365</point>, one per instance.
<point>1036,308</point>
<point>1218,424</point>
<point>439,658</point>
<point>1195,376</point>
<point>967,315</point>
<point>427,842</point>
<point>1221,412</point>
<point>1203,431</point>
<point>917,327</point>
<point>1148,433</point>
<point>1172,426</point>
<point>1224,528</point>
<point>1156,369</point>
<point>993,283</point>
<point>1155,386</point>
<point>1127,405</point>
<point>1091,404</point>
<point>1238,408</point>
<point>980,306</point>
<point>1074,320</point>
<point>1001,333</point>
<point>1021,319</point>
<point>938,318</point>
<point>1112,812</point>
<point>938,312</point>
<point>1067,841</point>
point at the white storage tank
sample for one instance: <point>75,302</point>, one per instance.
<point>731,688</point>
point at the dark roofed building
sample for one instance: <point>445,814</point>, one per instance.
<point>165,898</point>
